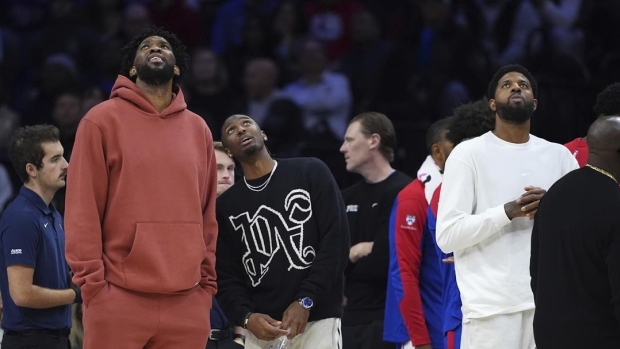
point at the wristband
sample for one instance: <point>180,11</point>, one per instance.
<point>239,339</point>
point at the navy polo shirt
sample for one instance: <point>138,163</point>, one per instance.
<point>32,234</point>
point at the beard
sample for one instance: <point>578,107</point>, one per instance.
<point>251,150</point>
<point>155,76</point>
<point>515,114</point>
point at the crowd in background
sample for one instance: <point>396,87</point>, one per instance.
<point>303,68</point>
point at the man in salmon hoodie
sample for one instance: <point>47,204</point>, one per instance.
<point>140,207</point>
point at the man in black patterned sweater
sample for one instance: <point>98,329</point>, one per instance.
<point>368,150</point>
<point>282,246</point>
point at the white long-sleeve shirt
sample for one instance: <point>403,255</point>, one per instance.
<point>492,252</point>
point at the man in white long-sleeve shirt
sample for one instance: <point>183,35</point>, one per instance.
<point>491,189</point>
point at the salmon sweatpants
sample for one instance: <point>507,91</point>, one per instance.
<point>119,318</point>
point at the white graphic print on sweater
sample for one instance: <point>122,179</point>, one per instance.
<point>268,231</point>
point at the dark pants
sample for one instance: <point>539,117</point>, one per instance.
<point>35,341</point>
<point>365,336</point>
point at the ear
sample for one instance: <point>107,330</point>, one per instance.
<point>133,72</point>
<point>374,141</point>
<point>492,105</point>
<point>177,70</point>
<point>535,104</point>
<point>437,154</point>
<point>264,135</point>
<point>228,153</point>
<point>31,170</point>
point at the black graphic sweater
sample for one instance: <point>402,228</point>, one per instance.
<point>288,241</point>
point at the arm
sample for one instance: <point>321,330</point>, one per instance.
<point>372,268</point>
<point>457,226</point>
<point>333,249</point>
<point>409,255</point>
<point>27,295</point>
<point>22,233</point>
<point>209,222</point>
<point>233,293</point>
<point>333,246</point>
<point>87,195</point>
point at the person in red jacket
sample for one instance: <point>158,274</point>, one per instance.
<point>607,104</point>
<point>140,207</point>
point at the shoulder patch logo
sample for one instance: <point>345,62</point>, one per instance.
<point>410,219</point>
<point>351,208</point>
<point>16,251</point>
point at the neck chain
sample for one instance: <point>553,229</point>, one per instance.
<point>603,172</point>
<point>264,185</point>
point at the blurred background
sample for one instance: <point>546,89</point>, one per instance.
<point>303,68</point>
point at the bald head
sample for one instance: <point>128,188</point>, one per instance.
<point>604,135</point>
<point>604,144</point>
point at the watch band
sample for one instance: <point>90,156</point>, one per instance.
<point>246,319</point>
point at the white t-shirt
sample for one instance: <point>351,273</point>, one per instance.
<point>492,253</point>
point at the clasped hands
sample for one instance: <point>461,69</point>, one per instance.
<point>294,321</point>
<point>526,205</point>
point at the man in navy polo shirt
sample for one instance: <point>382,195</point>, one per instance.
<point>34,275</point>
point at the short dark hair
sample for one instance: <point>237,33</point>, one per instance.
<point>608,101</point>
<point>25,147</point>
<point>436,130</point>
<point>471,120</point>
<point>219,146</point>
<point>509,69</point>
<point>373,122</point>
<point>178,48</point>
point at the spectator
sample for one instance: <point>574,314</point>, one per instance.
<point>261,88</point>
<point>115,250</point>
<point>207,89</point>
<point>470,120</point>
<point>34,277</point>
<point>368,150</point>
<point>282,245</point>
<point>576,252</point>
<point>323,96</point>
<point>491,189</point>
<point>413,306</point>
<point>607,104</point>
<point>365,63</point>
<point>231,19</point>
<point>223,335</point>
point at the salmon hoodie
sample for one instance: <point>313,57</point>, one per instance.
<point>140,204</point>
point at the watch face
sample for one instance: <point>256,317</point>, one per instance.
<point>306,302</point>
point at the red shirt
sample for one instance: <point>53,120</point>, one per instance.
<point>579,148</point>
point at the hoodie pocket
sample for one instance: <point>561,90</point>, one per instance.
<point>165,257</point>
